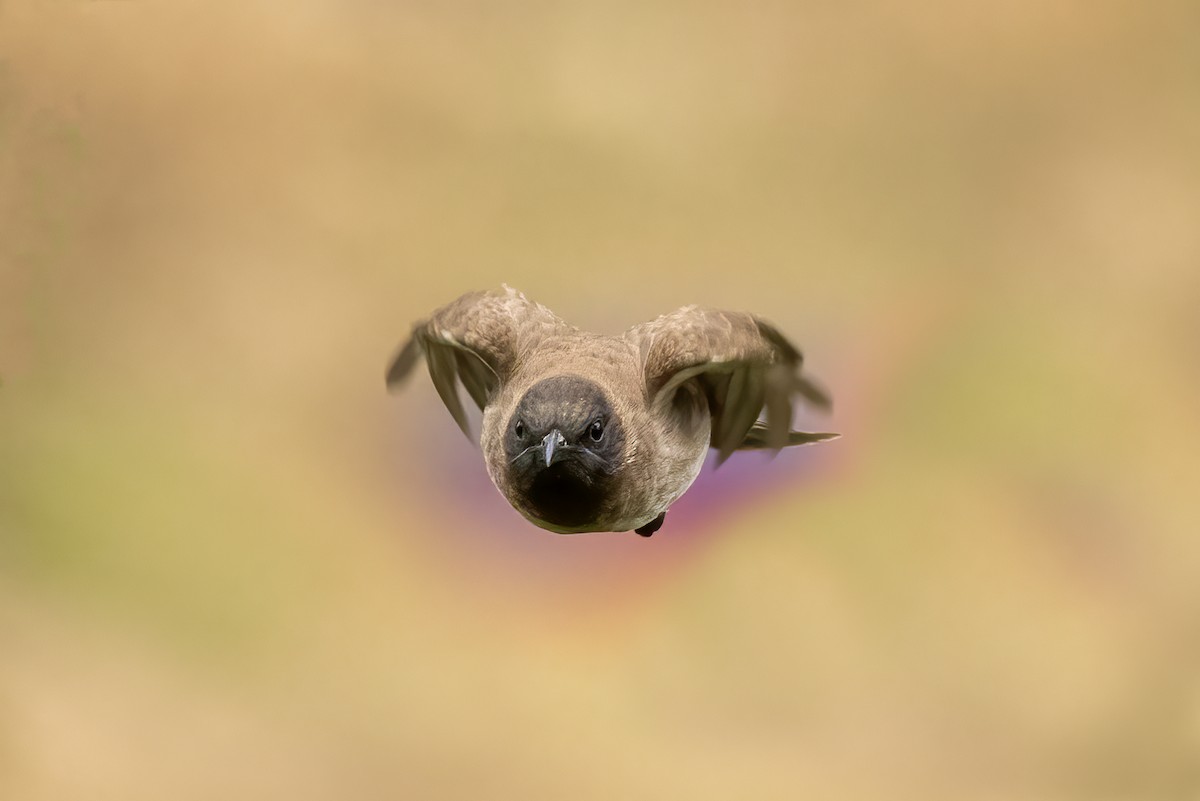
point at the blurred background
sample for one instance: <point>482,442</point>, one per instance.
<point>231,566</point>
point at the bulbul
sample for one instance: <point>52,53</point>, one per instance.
<point>584,432</point>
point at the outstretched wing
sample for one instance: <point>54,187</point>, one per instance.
<point>477,340</point>
<point>740,363</point>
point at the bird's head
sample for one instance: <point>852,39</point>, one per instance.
<point>564,444</point>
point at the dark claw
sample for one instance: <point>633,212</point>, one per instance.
<point>653,526</point>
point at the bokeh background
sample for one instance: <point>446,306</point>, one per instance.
<point>231,566</point>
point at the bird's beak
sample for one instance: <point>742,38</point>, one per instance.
<point>550,443</point>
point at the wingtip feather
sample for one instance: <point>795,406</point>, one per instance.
<point>402,363</point>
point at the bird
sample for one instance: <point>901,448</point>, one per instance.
<point>585,432</point>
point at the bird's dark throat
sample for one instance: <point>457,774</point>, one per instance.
<point>564,494</point>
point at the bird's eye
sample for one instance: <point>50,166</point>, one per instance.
<point>520,429</point>
<point>596,430</point>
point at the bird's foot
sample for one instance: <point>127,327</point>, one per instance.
<point>653,526</point>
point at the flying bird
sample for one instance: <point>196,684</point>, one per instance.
<point>585,432</point>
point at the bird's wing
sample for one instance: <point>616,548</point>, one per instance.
<point>478,340</point>
<point>740,363</point>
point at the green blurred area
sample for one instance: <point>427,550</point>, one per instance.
<point>221,573</point>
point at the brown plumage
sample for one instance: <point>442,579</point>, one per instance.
<point>584,432</point>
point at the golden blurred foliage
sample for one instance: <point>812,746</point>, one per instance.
<point>232,567</point>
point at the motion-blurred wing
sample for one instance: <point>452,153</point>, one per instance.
<point>740,363</point>
<point>476,340</point>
